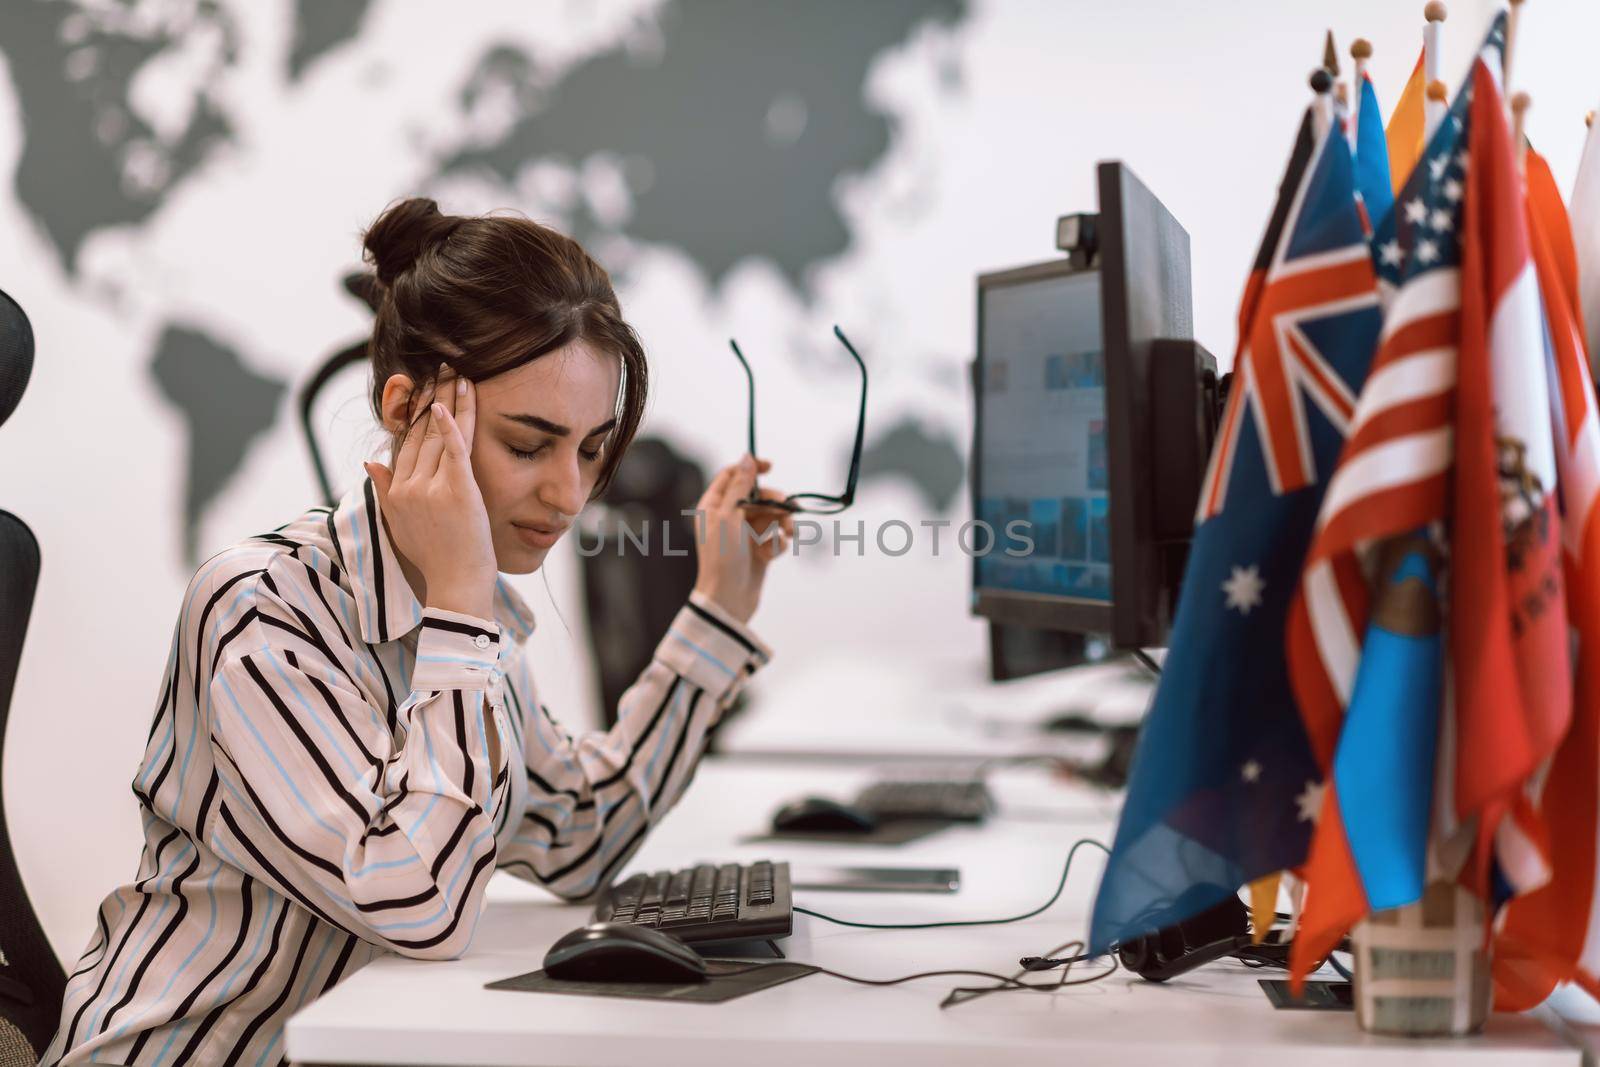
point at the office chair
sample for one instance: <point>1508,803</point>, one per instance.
<point>632,596</point>
<point>31,979</point>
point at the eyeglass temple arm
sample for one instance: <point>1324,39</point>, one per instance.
<point>751,380</point>
<point>861,418</point>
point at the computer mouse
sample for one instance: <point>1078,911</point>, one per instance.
<point>622,952</point>
<point>820,815</point>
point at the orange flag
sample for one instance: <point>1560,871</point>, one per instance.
<point>1404,132</point>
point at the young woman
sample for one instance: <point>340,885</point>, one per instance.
<point>348,741</point>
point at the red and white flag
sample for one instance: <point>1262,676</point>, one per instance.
<point>1510,662</point>
<point>1553,935</point>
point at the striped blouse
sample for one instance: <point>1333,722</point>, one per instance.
<point>317,789</point>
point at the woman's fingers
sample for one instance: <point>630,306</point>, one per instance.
<point>467,410</point>
<point>456,454</point>
<point>382,478</point>
<point>432,443</point>
<point>711,499</point>
<point>405,462</point>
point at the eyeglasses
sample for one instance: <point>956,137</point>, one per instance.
<point>810,503</point>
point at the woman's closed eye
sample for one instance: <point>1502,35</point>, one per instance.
<point>589,455</point>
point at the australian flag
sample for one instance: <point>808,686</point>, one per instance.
<point>1224,787</point>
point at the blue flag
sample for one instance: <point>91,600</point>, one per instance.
<point>1224,786</point>
<point>1373,181</point>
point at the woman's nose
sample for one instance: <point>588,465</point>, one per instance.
<point>563,490</point>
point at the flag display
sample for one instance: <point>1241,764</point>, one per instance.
<point>1223,784</point>
<point>1452,435</point>
<point>1384,673</point>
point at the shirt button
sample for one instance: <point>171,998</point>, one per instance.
<point>482,640</point>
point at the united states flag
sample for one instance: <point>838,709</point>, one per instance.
<point>1394,472</point>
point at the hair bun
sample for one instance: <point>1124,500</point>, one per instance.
<point>403,233</point>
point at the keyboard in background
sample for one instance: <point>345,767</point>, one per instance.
<point>954,801</point>
<point>731,902</point>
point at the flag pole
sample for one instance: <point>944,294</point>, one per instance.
<point>1511,40</point>
<point>1437,102</point>
<point>1330,63</point>
<point>1360,51</point>
<point>1519,110</point>
<point>1322,109</point>
<point>1433,111</point>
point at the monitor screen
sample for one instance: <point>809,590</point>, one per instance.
<point>1042,438</point>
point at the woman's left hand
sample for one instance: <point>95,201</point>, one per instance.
<point>736,544</point>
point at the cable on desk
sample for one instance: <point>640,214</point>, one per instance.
<point>1148,660</point>
<point>960,994</point>
<point>1060,887</point>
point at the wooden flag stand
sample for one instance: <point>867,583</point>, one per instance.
<point>1423,970</point>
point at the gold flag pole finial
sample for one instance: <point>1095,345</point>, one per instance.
<point>1519,110</point>
<point>1588,120</point>
<point>1435,11</point>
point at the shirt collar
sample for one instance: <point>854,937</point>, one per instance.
<point>386,607</point>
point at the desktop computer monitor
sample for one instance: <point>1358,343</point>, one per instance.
<point>1093,418</point>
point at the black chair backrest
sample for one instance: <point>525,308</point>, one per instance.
<point>31,978</point>
<point>632,597</point>
<point>363,285</point>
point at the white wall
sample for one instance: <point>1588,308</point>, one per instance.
<point>1201,100</point>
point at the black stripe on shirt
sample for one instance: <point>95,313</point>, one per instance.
<point>247,906</point>
<point>377,562</point>
<point>712,620</point>
<point>451,626</point>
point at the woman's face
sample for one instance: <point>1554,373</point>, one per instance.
<point>536,452</point>
<point>536,447</point>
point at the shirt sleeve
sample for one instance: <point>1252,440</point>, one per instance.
<point>590,800</point>
<point>386,839</point>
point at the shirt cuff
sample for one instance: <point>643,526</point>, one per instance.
<point>712,649</point>
<point>455,651</point>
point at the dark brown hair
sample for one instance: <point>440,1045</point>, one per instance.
<point>487,294</point>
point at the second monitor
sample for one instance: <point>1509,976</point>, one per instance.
<point>1095,411</point>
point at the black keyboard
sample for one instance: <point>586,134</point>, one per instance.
<point>706,903</point>
<point>956,801</point>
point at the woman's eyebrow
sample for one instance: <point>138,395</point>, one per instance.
<point>555,429</point>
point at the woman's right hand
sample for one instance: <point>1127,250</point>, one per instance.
<point>431,502</point>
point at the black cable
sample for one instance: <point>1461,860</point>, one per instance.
<point>1060,886</point>
<point>962,994</point>
<point>1006,982</point>
<point>1148,660</point>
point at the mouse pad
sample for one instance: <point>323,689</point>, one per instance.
<point>889,832</point>
<point>714,990</point>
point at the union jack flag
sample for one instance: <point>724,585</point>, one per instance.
<point>1224,785</point>
<point>1287,357</point>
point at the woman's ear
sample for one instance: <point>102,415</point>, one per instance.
<point>396,404</point>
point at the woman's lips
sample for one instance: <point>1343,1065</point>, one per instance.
<point>539,536</point>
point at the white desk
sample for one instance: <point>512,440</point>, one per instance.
<point>891,711</point>
<point>399,1011</point>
